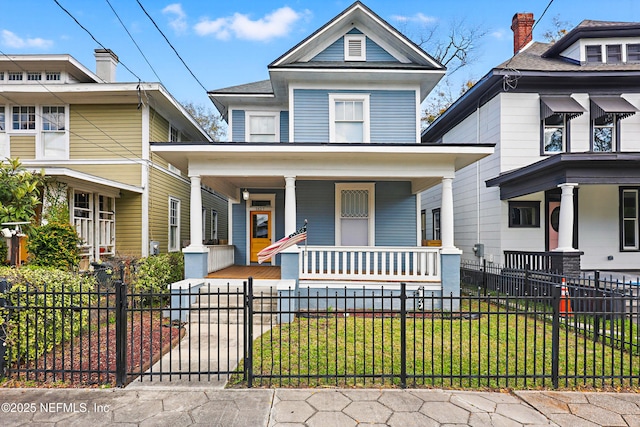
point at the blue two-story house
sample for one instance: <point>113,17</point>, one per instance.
<point>333,138</point>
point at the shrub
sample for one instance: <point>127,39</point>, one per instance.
<point>4,251</point>
<point>51,314</point>
<point>153,275</point>
<point>54,245</point>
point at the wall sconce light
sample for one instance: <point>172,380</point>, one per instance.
<point>245,194</point>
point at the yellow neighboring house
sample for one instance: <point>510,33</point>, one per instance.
<point>92,135</point>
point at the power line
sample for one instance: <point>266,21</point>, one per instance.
<point>170,45</point>
<point>134,42</point>
<point>94,39</point>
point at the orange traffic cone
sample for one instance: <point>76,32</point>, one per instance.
<point>565,302</point>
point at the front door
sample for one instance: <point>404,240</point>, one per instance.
<point>260,236</point>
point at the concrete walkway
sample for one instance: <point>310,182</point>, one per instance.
<point>313,407</point>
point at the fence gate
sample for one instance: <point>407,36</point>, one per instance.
<point>202,335</point>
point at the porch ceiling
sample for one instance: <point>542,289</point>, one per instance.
<point>227,167</point>
<point>579,168</point>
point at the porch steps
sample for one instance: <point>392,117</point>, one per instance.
<point>224,305</point>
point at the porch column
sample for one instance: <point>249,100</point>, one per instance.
<point>565,233</point>
<point>195,210</point>
<point>196,255</point>
<point>446,214</point>
<point>289,205</point>
<point>449,254</point>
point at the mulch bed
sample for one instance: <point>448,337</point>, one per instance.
<point>90,359</point>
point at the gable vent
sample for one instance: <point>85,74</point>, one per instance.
<point>355,47</point>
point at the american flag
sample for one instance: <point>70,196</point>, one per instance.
<point>282,244</point>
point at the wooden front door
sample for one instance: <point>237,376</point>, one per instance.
<point>260,237</point>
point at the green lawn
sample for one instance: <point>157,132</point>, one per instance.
<point>495,348</point>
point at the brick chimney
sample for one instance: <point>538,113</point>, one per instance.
<point>106,63</point>
<point>521,25</point>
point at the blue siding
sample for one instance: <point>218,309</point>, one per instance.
<point>311,115</point>
<point>316,203</point>
<point>396,212</point>
<point>392,112</point>
<point>377,54</point>
<point>335,52</point>
<point>237,132</point>
<point>284,126</point>
<point>239,230</point>
<point>393,116</point>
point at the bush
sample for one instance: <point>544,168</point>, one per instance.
<point>153,275</point>
<point>54,245</point>
<point>4,251</point>
<point>50,315</point>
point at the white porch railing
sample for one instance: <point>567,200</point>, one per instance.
<point>407,264</point>
<point>220,256</point>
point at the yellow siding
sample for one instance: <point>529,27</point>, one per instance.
<point>128,224</point>
<point>127,174</point>
<point>158,127</point>
<point>161,186</point>
<point>105,131</point>
<point>23,147</point>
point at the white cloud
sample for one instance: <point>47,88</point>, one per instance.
<point>275,24</point>
<point>499,34</point>
<point>419,18</point>
<point>179,21</point>
<point>11,39</point>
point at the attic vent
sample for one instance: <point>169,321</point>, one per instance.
<point>355,48</point>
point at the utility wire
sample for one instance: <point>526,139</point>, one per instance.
<point>134,42</point>
<point>170,45</point>
<point>94,39</point>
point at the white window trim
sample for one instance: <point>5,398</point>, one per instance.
<point>176,247</point>
<point>369,186</point>
<point>247,123</point>
<point>364,97</point>
<point>363,44</point>
<point>248,208</point>
<point>623,218</point>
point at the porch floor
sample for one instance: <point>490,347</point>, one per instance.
<point>258,272</point>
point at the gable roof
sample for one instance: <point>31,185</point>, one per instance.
<point>358,15</point>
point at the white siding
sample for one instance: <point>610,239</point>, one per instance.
<point>520,130</point>
<point>580,127</point>
<point>630,127</point>
<point>523,239</point>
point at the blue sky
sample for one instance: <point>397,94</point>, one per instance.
<point>227,43</point>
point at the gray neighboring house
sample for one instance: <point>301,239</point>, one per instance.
<point>563,185</point>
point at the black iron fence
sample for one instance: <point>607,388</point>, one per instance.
<point>507,329</point>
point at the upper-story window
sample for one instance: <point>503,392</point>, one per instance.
<point>54,137</point>
<point>15,76</point>
<point>2,119</point>
<point>594,54</point>
<point>53,75</point>
<point>262,127</point>
<point>174,134</point>
<point>349,117</point>
<point>4,146</point>
<point>355,47</point>
<point>633,52</point>
<point>606,114</point>
<point>34,76</point>
<point>556,113</point>
<point>614,53</point>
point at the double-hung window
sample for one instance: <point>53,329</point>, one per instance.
<point>629,230</point>
<point>349,118</point>
<point>262,127</point>
<point>174,224</point>
<point>633,53</point>
<point>83,221</point>
<point>54,136</point>
<point>435,216</point>
<point>604,133</point>
<point>174,134</point>
<point>106,225</point>
<point>614,53</point>
<point>556,111</point>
